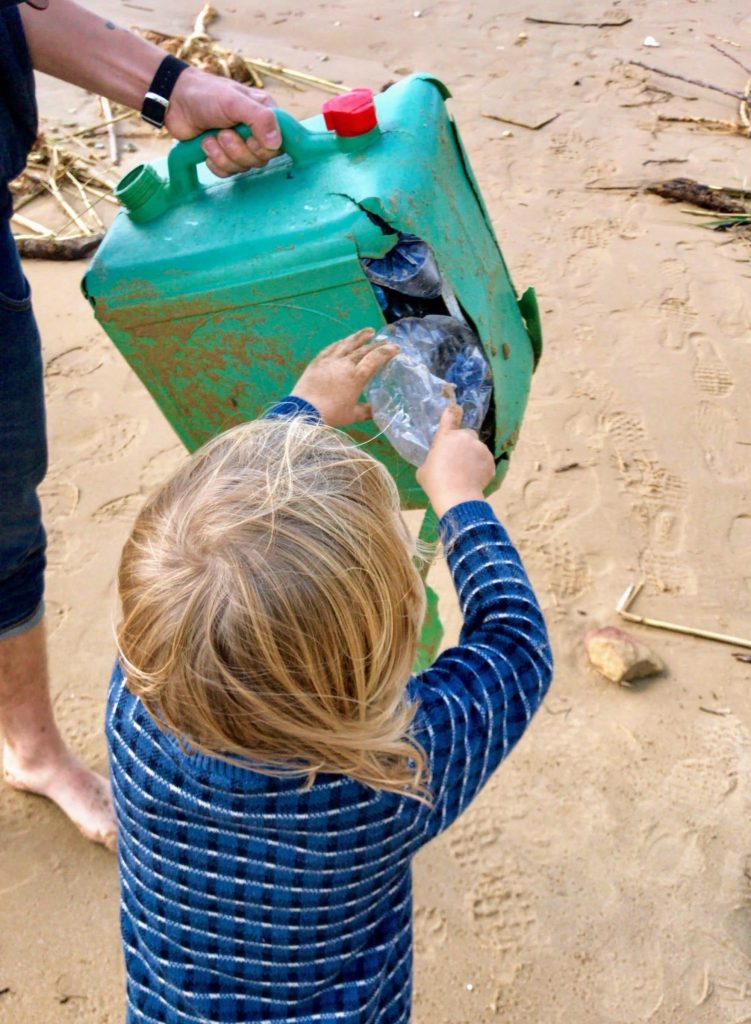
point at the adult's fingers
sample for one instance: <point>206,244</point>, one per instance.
<point>242,108</point>
<point>228,153</point>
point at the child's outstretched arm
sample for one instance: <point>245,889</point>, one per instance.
<point>477,698</point>
<point>331,384</point>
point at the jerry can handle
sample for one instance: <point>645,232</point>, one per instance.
<point>297,142</point>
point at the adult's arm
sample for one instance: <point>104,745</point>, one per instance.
<point>70,42</point>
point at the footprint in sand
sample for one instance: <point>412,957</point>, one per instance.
<point>104,440</point>
<point>668,856</point>
<point>711,374</point>
<point>503,911</point>
<point>160,466</point>
<point>476,836</point>
<point>59,498</point>
<point>739,535</point>
<point>677,310</point>
<point>431,931</point>
<point>123,509</point>
<point>716,432</point>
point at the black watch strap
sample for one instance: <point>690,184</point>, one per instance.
<point>156,100</point>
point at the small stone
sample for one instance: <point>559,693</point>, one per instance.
<point>651,41</point>
<point>470,987</point>
<point>619,656</point>
<point>521,39</point>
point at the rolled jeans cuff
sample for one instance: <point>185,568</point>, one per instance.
<point>26,625</point>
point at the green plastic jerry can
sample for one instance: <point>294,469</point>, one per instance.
<point>218,291</point>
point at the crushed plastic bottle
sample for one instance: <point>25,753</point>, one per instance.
<point>409,268</point>
<point>440,361</point>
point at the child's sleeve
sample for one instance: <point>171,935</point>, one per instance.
<point>292,406</point>
<point>477,698</point>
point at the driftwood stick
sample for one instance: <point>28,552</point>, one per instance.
<point>32,225</point>
<point>88,206</point>
<point>686,190</point>
<point>615,22</point>
<point>706,122</point>
<point>111,134</point>
<point>731,57</point>
<point>82,226</point>
<point>57,248</point>
<point>691,81</point>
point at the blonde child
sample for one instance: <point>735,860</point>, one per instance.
<point>275,767</point>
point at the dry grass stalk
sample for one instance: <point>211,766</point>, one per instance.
<point>202,50</point>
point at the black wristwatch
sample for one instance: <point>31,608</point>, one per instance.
<point>156,100</point>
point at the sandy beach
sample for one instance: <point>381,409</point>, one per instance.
<point>604,876</point>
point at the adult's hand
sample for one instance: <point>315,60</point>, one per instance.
<point>201,101</point>
<point>74,43</point>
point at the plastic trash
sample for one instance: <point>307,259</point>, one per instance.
<point>409,268</point>
<point>441,361</point>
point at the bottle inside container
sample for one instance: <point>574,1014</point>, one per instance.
<point>441,359</point>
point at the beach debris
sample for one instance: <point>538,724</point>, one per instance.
<point>619,656</point>
<point>742,126</point>
<point>686,190</point>
<point>52,248</point>
<point>610,20</point>
<point>745,658</point>
<point>521,39</point>
<point>66,169</point>
<point>650,41</point>
<point>533,127</point>
<point>106,109</point>
<point>715,711</point>
<point>629,596</point>
<point>690,81</point>
<point>202,50</point>
<point>714,124</point>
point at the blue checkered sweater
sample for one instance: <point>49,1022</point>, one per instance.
<point>247,898</point>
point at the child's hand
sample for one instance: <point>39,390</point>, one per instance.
<point>336,378</point>
<point>458,467</point>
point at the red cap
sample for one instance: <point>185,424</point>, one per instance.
<point>351,114</point>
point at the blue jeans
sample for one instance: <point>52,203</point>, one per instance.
<point>23,449</point>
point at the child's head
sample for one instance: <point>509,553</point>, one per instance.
<point>271,607</point>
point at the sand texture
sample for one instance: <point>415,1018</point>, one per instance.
<point>604,876</point>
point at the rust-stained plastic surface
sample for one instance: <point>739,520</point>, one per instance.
<point>226,288</point>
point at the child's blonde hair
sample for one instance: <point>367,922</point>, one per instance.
<point>271,607</point>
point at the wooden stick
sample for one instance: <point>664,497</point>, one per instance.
<point>90,129</point>
<point>300,76</point>
<point>111,134</point>
<point>206,16</point>
<point>89,207</point>
<point>57,248</point>
<point>691,81</point>
<point>32,225</point>
<point>630,596</point>
<point>521,124</point>
<point>730,57</point>
<point>82,226</point>
<point>621,19</point>
<point>706,122</point>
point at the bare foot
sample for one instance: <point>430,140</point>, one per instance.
<point>81,794</point>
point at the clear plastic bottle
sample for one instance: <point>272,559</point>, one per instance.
<point>440,361</point>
